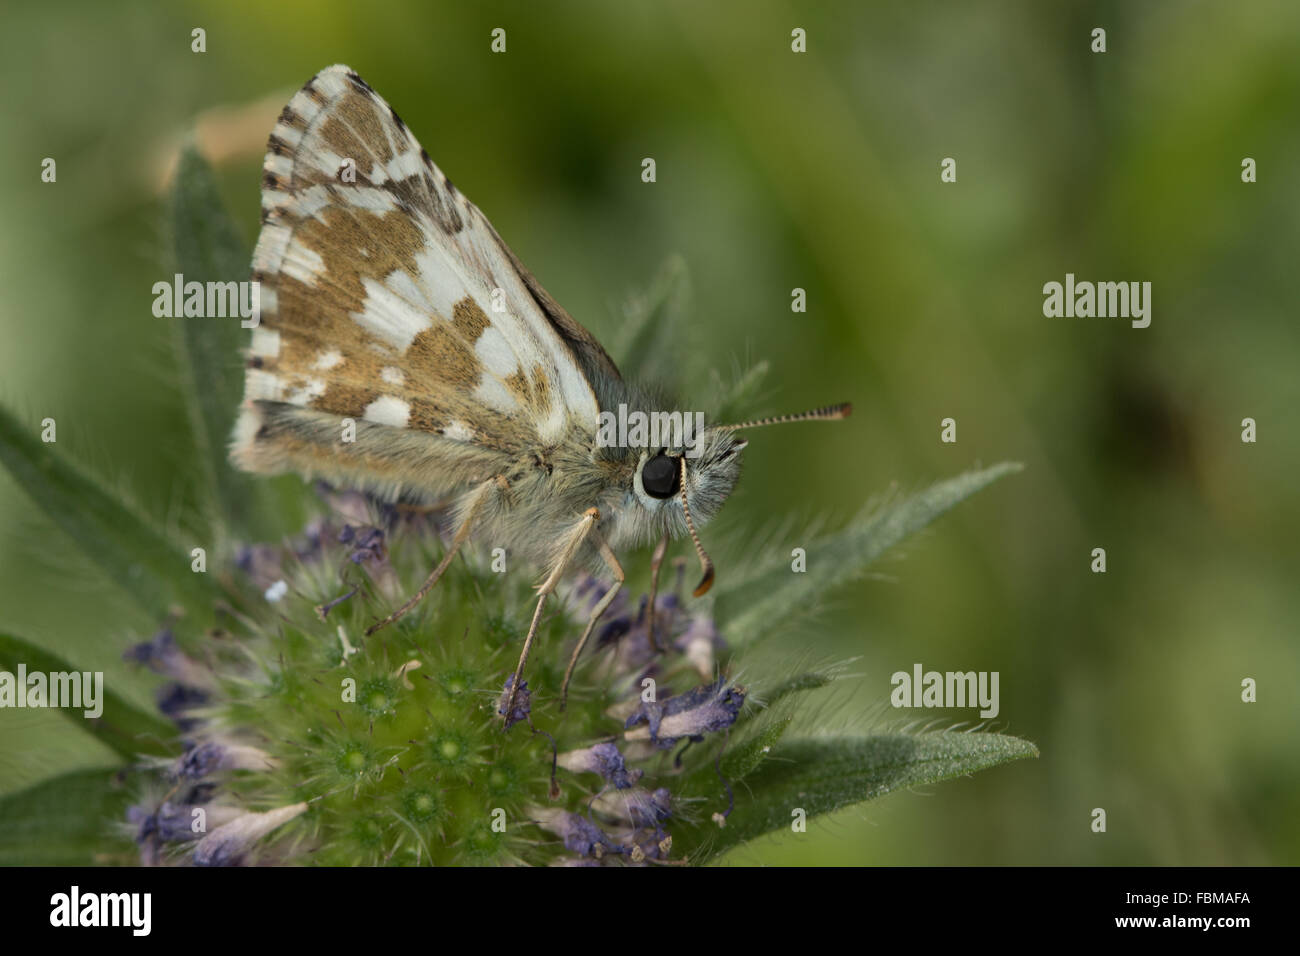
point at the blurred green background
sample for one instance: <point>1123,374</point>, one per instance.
<point>778,170</point>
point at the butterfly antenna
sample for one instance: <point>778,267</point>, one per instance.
<point>706,563</point>
<point>829,413</point>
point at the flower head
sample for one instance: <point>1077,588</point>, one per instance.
<point>314,738</point>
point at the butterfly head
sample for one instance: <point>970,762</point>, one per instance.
<point>707,472</point>
<point>688,487</point>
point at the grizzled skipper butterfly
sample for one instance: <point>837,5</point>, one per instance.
<point>405,350</point>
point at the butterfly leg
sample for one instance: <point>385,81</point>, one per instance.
<point>480,497</point>
<point>619,577</point>
<point>567,551</point>
<point>656,562</point>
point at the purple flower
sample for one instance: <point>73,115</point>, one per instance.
<point>579,833</point>
<point>170,823</point>
<point>700,643</point>
<point>630,634</point>
<point>523,705</point>
<point>261,562</point>
<point>367,544</point>
<point>703,710</point>
<point>647,809</point>
<point>228,843</point>
<point>310,545</point>
<point>604,759</point>
<point>586,594</point>
<point>163,656</point>
<point>642,809</point>
<point>581,836</point>
<point>174,822</point>
<point>208,757</point>
<point>176,700</point>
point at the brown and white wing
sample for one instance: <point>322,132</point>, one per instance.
<point>387,298</point>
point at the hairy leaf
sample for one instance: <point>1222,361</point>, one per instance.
<point>65,821</point>
<point>208,247</point>
<point>734,400</point>
<point>121,726</point>
<point>139,557</point>
<point>791,685</point>
<point>754,606</point>
<point>740,761</point>
<point>824,774</point>
<point>648,345</point>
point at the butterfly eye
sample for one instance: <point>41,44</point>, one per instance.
<point>660,477</point>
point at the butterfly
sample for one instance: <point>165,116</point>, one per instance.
<point>403,349</point>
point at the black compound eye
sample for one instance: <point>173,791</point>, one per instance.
<point>660,477</point>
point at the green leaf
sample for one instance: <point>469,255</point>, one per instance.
<point>758,603</point>
<point>122,726</point>
<point>733,400</point>
<point>647,345</point>
<point>66,821</point>
<point>741,760</point>
<point>208,247</point>
<point>791,685</point>
<point>142,560</point>
<point>824,774</point>
<point>736,760</point>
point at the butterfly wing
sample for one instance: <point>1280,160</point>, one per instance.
<point>388,299</point>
